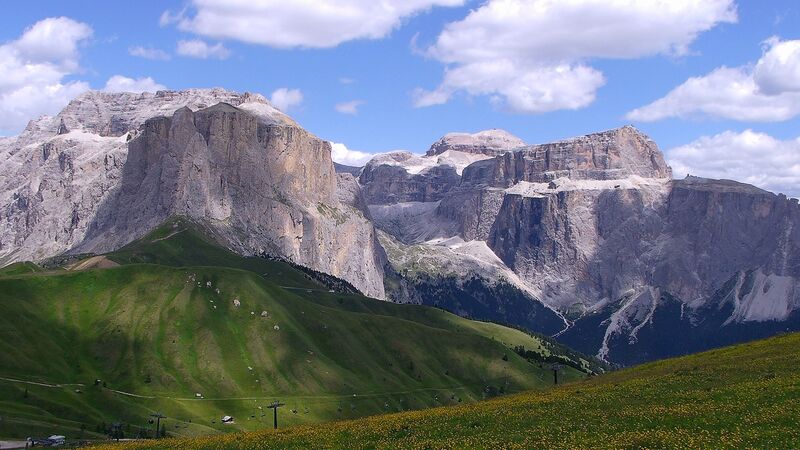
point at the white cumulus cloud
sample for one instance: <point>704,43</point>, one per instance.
<point>778,71</point>
<point>535,89</point>
<point>285,99</point>
<point>767,91</point>
<point>197,48</point>
<point>34,67</point>
<point>302,23</point>
<point>350,107</point>
<point>531,55</point>
<point>748,156</point>
<point>120,83</point>
<point>343,155</point>
<point>53,40</point>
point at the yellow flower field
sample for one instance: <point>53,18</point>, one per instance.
<point>746,396</point>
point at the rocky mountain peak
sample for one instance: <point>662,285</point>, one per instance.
<point>112,166</point>
<point>488,142</point>
<point>116,113</point>
<point>607,155</point>
<point>625,151</point>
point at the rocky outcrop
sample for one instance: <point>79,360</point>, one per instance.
<point>388,184</point>
<point>399,177</point>
<point>487,142</point>
<point>609,155</point>
<point>53,182</point>
<point>577,247</point>
<point>262,183</point>
<point>51,188</point>
<point>726,228</point>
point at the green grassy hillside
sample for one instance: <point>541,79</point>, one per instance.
<point>175,324</point>
<point>20,268</point>
<point>746,396</point>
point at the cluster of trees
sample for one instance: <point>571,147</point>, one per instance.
<point>329,281</point>
<point>536,357</point>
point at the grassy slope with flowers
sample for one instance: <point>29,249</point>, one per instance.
<point>745,396</point>
<point>162,327</point>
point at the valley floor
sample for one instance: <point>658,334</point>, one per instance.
<point>745,396</point>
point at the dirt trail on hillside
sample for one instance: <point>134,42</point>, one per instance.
<point>95,262</point>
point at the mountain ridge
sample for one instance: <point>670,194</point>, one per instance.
<point>563,229</point>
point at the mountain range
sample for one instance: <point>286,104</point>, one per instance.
<point>589,240</point>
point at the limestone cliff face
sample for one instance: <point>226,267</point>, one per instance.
<point>59,170</point>
<point>402,177</point>
<point>686,237</point>
<point>261,182</point>
<point>387,184</point>
<point>727,228</point>
<point>577,247</point>
<point>596,228</point>
<point>608,155</point>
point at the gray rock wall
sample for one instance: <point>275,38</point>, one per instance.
<point>261,182</point>
<point>608,155</point>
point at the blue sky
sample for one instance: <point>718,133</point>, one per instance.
<point>386,67</point>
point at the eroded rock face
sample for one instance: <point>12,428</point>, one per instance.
<point>50,189</point>
<point>264,187</point>
<point>261,182</point>
<point>388,184</point>
<point>400,177</point>
<point>609,155</point>
<point>596,229</point>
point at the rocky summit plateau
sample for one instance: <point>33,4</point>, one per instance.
<point>589,239</point>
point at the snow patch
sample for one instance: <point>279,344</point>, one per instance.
<point>265,111</point>
<point>416,164</point>
<point>494,141</point>
<point>528,189</point>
